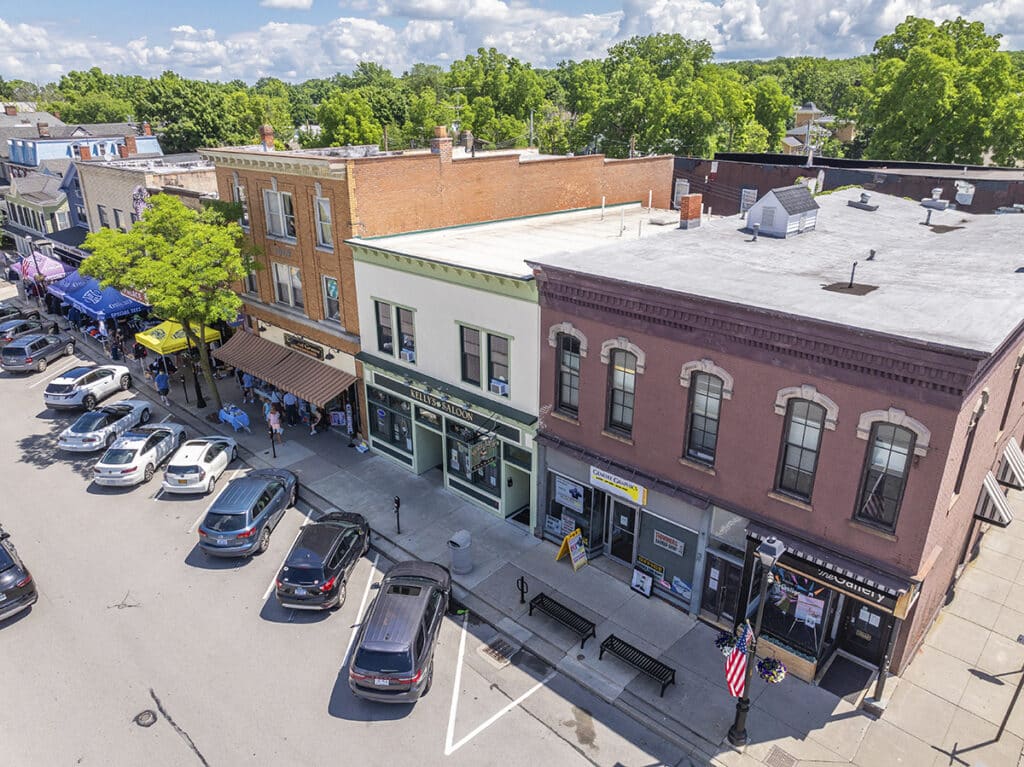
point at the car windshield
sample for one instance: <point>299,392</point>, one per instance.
<point>383,662</point>
<point>224,523</point>
<point>59,388</point>
<point>13,352</point>
<point>89,422</point>
<point>118,456</point>
<point>302,576</point>
<point>6,561</point>
<point>182,469</point>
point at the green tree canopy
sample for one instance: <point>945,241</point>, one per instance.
<point>347,118</point>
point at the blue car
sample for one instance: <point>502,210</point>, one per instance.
<point>240,521</point>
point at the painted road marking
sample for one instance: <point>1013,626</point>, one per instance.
<point>74,362</point>
<point>450,747</point>
<point>362,606</point>
<point>273,581</point>
<point>194,525</point>
<point>165,418</point>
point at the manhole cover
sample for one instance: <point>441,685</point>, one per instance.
<point>498,651</point>
<point>779,758</point>
<point>145,718</point>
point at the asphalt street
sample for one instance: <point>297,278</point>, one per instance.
<point>143,651</point>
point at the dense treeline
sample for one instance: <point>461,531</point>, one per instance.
<point>928,91</point>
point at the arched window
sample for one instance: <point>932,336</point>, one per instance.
<point>567,387</point>
<point>886,466</point>
<point>801,441</point>
<point>702,417</point>
<point>622,370</point>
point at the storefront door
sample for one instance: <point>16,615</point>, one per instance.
<point>621,532</point>
<point>722,579</point>
<point>864,631</point>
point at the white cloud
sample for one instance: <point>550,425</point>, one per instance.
<point>399,33</point>
<point>296,5</point>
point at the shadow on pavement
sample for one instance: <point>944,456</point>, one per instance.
<point>275,613</point>
<point>94,489</point>
<point>16,618</point>
<point>202,561</point>
<point>345,705</point>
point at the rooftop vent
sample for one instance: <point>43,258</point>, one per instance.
<point>1015,208</point>
<point>864,203</point>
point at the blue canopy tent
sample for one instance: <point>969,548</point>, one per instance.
<point>103,303</point>
<point>71,282</point>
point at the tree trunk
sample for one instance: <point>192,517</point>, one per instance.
<point>204,360</point>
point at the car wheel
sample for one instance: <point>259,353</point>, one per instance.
<point>430,679</point>
<point>148,474</point>
<point>41,366</point>
<point>69,350</point>
<point>111,438</point>
<point>89,403</point>
<point>342,593</point>
<point>211,484</point>
<point>181,439</point>
<point>234,454</point>
<point>145,416</point>
<point>265,539</point>
<point>126,382</point>
<point>294,498</point>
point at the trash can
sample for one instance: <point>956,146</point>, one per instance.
<point>459,546</point>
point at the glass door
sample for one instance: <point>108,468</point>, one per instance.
<point>721,599</point>
<point>621,532</point>
<point>865,631</point>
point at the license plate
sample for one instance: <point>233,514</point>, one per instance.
<point>222,541</point>
<point>182,481</point>
<point>382,682</point>
<point>300,592</point>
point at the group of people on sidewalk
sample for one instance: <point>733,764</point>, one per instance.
<point>278,408</point>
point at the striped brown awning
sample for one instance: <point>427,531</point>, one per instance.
<point>287,370</point>
<point>992,505</point>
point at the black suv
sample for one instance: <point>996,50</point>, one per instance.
<point>322,558</point>
<point>35,351</point>
<point>16,328</point>
<point>12,312</point>
<point>17,591</point>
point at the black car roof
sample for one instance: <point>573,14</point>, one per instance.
<point>316,540</point>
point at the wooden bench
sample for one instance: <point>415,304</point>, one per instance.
<point>639,660</point>
<point>571,619</point>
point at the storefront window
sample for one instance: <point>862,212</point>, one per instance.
<point>518,456</point>
<point>668,553</point>
<point>429,417</point>
<point>474,458</point>
<point>797,610</point>
<point>573,505</point>
<point>389,419</point>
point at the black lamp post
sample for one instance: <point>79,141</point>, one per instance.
<point>769,552</point>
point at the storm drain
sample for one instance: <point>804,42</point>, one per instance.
<point>779,758</point>
<point>498,651</point>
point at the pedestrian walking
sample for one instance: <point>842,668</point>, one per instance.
<point>162,381</point>
<point>247,393</point>
<point>291,408</point>
<point>315,416</point>
<point>274,420</point>
<point>267,407</point>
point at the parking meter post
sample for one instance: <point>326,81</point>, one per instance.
<point>273,445</point>
<point>524,589</point>
<point>398,518</point>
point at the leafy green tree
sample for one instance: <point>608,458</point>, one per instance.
<point>98,107</point>
<point>772,109</point>
<point>422,77</point>
<point>1008,130</point>
<point>426,112</point>
<point>347,118</point>
<point>188,113</point>
<point>186,262</point>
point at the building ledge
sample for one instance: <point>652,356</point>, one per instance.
<point>565,418</point>
<point>870,530</point>
<point>300,319</point>
<point>616,437</point>
<point>787,499</point>
<point>698,466</point>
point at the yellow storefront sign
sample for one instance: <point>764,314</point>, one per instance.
<point>617,486</point>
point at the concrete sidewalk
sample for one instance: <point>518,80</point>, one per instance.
<point>944,712</point>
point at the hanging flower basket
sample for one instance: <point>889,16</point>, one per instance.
<point>725,642</point>
<point>771,670</point>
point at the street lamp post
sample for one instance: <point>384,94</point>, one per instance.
<point>768,552</point>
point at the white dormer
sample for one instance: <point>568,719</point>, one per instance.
<point>784,211</point>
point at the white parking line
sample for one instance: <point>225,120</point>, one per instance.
<point>362,606</point>
<point>165,418</point>
<point>234,473</point>
<point>74,363</point>
<point>273,581</point>
<point>450,747</point>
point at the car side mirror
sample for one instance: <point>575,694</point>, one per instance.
<point>4,535</point>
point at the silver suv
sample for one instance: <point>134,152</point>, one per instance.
<point>394,657</point>
<point>35,352</point>
<point>84,387</point>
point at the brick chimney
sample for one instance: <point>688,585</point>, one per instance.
<point>10,109</point>
<point>146,130</point>
<point>130,145</point>
<point>441,144</point>
<point>267,137</point>
<point>84,153</point>
<point>43,129</point>
<point>122,151</point>
<point>689,211</point>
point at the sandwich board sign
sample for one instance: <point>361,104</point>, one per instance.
<point>573,545</point>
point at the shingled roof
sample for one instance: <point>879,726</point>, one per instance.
<point>795,199</point>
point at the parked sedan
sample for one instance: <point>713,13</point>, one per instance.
<point>35,351</point>
<point>134,457</point>
<point>16,328</point>
<point>241,519</point>
<point>322,558</point>
<point>12,312</point>
<point>17,590</point>
<point>97,429</point>
<point>198,464</point>
<point>84,387</point>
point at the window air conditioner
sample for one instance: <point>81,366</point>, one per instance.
<point>409,355</point>
<point>499,387</point>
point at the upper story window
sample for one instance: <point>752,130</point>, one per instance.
<point>385,327</point>
<point>251,284</point>
<point>238,196</point>
<point>497,364</point>
<point>801,440</point>
<point>567,393</point>
<point>388,318</point>
<point>324,234</point>
<point>104,218</point>
<point>288,285</point>
<point>119,219</point>
<point>885,475</point>
<point>469,354</point>
<point>280,214</point>
<point>622,369</point>
<point>702,418</point>
<point>332,305</point>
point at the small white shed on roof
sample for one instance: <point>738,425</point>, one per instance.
<point>784,211</point>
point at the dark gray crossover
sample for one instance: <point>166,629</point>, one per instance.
<point>241,519</point>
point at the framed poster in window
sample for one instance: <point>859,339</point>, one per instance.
<point>642,582</point>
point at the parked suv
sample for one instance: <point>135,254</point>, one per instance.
<point>394,657</point>
<point>17,590</point>
<point>240,520</point>
<point>16,328</point>
<point>35,351</point>
<point>84,387</point>
<point>315,574</point>
<point>12,312</point>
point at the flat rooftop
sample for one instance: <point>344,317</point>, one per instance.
<point>954,173</point>
<point>502,247</point>
<point>957,282</point>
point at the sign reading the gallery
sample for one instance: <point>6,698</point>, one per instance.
<point>617,486</point>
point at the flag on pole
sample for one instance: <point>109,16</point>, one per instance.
<point>736,663</point>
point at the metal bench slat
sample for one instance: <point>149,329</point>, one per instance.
<point>640,660</point>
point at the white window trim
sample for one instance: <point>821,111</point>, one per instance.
<point>570,330</point>
<point>896,417</point>
<point>706,366</point>
<point>323,287</point>
<point>808,392</point>
<point>624,343</point>
<point>319,224</point>
<point>268,194</point>
<point>291,287</point>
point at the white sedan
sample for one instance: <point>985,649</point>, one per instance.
<point>198,464</point>
<point>134,457</point>
<point>97,429</point>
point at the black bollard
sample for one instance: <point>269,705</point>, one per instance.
<point>523,587</point>
<point>273,445</point>
<point>398,519</point>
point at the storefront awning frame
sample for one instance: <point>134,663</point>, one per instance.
<point>992,504</point>
<point>1011,470</point>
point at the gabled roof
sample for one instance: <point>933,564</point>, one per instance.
<point>28,118</point>
<point>795,199</point>
<point>73,236</point>
<point>40,188</point>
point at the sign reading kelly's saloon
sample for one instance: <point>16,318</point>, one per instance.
<point>443,405</point>
<point>617,486</point>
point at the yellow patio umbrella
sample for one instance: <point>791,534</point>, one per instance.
<point>169,337</point>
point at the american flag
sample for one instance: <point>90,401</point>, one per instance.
<point>736,663</point>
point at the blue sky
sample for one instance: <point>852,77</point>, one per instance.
<point>298,39</point>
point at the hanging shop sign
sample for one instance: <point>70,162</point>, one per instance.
<point>617,486</point>
<point>300,344</point>
<point>482,453</point>
<point>568,494</point>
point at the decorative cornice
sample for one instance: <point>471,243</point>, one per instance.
<point>896,417</point>
<point>811,393</point>
<point>570,330</point>
<point>624,343</point>
<point>706,366</point>
<point>270,162</point>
